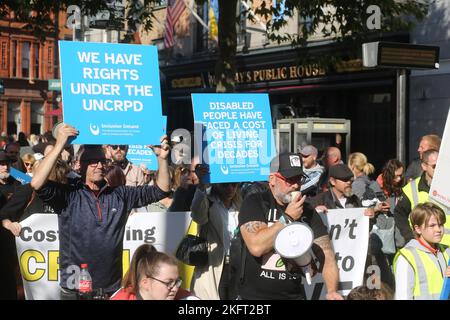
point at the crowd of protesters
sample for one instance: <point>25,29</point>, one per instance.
<point>93,189</point>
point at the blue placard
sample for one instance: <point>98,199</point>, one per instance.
<point>164,123</point>
<point>19,176</point>
<point>140,154</point>
<point>111,92</point>
<point>445,293</point>
<point>237,135</point>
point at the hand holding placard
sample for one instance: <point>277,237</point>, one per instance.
<point>63,132</point>
<point>161,151</point>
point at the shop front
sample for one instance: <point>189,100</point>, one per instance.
<point>367,98</point>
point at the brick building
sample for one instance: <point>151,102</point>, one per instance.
<point>26,65</point>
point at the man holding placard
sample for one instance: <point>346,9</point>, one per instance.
<point>92,215</point>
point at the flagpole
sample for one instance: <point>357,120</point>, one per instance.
<point>198,18</point>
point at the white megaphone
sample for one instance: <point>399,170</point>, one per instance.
<point>294,242</point>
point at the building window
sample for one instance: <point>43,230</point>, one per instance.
<point>37,117</point>
<point>50,60</point>
<point>25,59</point>
<point>14,56</point>
<point>4,55</point>
<point>36,60</point>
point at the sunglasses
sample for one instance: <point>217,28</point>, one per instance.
<point>120,146</point>
<point>28,164</point>
<point>293,180</point>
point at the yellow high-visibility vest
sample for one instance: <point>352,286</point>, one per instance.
<point>428,279</point>
<point>415,197</point>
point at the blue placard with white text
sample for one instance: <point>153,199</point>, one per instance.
<point>237,137</point>
<point>140,154</point>
<point>111,92</point>
<point>19,176</point>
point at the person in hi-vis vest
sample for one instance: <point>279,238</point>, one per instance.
<point>420,267</point>
<point>416,192</point>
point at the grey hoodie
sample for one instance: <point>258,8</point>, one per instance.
<point>360,185</point>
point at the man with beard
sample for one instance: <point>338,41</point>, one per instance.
<point>8,256</point>
<point>134,175</point>
<point>340,194</point>
<point>262,216</point>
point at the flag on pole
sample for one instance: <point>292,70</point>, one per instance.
<point>174,10</point>
<point>213,14</point>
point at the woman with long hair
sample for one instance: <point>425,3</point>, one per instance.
<point>153,275</point>
<point>361,169</point>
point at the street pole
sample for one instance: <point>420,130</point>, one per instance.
<point>401,114</point>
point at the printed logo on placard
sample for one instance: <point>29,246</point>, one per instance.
<point>224,169</point>
<point>95,130</point>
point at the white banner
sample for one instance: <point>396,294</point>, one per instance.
<point>38,246</point>
<point>349,233</point>
<point>440,188</point>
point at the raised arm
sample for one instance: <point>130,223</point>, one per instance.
<point>162,153</point>
<point>42,172</point>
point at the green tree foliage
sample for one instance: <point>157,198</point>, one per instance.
<point>342,21</point>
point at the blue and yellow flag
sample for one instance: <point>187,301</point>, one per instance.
<point>213,15</point>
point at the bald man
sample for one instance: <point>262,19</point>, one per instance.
<point>331,157</point>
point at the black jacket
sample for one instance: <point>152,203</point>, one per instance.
<point>403,209</point>
<point>92,227</point>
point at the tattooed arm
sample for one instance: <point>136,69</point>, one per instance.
<point>323,250</point>
<point>258,237</point>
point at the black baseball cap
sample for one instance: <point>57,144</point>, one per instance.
<point>288,164</point>
<point>341,172</point>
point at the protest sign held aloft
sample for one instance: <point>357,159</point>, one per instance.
<point>440,189</point>
<point>236,137</point>
<point>111,92</point>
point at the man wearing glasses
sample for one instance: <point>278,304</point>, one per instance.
<point>416,192</point>
<point>262,216</point>
<point>133,173</point>
<point>92,215</point>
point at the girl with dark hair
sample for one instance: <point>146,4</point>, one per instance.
<point>152,275</point>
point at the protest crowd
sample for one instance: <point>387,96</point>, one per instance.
<point>94,188</point>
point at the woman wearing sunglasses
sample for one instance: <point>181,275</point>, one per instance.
<point>28,160</point>
<point>152,275</point>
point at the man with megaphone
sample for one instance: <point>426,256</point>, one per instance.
<point>261,218</point>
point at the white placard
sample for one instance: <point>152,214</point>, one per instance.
<point>349,233</point>
<point>38,246</point>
